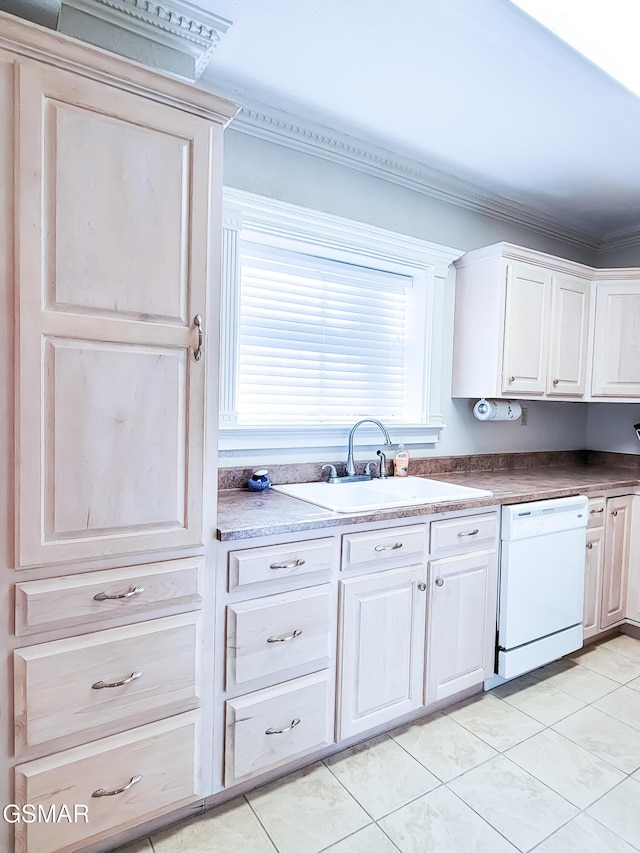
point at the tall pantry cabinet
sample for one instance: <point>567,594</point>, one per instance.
<point>110,196</point>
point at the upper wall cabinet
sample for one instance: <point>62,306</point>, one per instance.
<point>616,345</point>
<point>524,328</point>
<point>114,196</point>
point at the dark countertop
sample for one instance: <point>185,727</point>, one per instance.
<point>243,514</point>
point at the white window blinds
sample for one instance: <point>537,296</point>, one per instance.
<point>319,340</point>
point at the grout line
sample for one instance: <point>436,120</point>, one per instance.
<point>257,817</point>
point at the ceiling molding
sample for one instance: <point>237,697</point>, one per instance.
<point>276,126</point>
<point>625,239</point>
<point>173,34</point>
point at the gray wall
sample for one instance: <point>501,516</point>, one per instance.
<point>610,427</point>
<point>278,172</point>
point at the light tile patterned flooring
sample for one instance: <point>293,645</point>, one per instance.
<point>549,762</point>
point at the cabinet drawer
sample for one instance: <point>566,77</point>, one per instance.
<point>274,635</point>
<point>270,727</point>
<point>254,566</point>
<point>84,599</point>
<point>597,511</point>
<point>384,546</point>
<point>462,533</point>
<point>163,754</point>
<point>54,683</point>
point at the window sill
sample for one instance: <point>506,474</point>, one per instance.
<point>235,439</point>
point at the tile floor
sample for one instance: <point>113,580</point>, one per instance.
<point>549,762</point>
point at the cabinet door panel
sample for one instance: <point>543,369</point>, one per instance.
<point>616,561</point>
<point>569,324</point>
<point>524,365</point>
<point>593,582</point>
<point>382,648</point>
<point>112,197</point>
<point>616,348</point>
<point>462,623</point>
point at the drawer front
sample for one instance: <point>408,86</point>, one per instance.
<point>597,511</point>
<point>257,566</point>
<point>163,754</point>
<point>389,546</point>
<point>271,636</point>
<point>85,599</point>
<point>63,688</point>
<point>270,727</point>
<point>476,531</point>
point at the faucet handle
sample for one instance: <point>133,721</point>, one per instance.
<point>367,468</point>
<point>333,474</point>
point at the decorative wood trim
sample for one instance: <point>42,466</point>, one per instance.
<point>33,42</point>
<point>285,129</point>
<point>229,316</point>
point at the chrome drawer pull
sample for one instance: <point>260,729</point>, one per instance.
<point>389,547</point>
<point>292,564</point>
<point>101,792</point>
<point>294,723</point>
<point>102,596</point>
<point>614,512</point>
<point>589,545</point>
<point>284,637</point>
<point>593,511</point>
<point>470,533</point>
<point>439,582</point>
<point>99,685</point>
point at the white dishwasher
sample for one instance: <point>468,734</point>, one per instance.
<point>541,597</point>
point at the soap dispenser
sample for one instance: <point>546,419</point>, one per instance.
<point>401,462</point>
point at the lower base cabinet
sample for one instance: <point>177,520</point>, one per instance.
<point>607,563</point>
<point>122,781</point>
<point>270,727</point>
<point>461,623</point>
<point>382,648</point>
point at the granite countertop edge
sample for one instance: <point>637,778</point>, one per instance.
<point>243,514</point>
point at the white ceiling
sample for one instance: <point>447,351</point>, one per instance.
<point>473,88</point>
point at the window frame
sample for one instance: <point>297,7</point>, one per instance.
<point>277,223</point>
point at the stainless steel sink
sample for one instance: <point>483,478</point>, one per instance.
<point>380,494</point>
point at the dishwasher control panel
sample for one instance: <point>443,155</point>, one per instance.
<point>539,518</point>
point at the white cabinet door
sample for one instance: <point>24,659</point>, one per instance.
<point>633,589</point>
<point>381,649</point>
<point>616,350</point>
<point>526,333</point>
<point>568,343</point>
<point>461,637</point>
<point>616,561</point>
<point>113,198</point>
<point>594,566</point>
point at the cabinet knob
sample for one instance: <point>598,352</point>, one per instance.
<point>589,545</point>
<point>422,587</point>
<point>512,379</point>
<point>594,511</point>
<point>439,582</point>
<point>555,382</point>
<point>614,512</point>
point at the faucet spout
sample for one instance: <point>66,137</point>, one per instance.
<point>351,468</point>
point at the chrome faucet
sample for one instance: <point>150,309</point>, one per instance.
<point>351,468</point>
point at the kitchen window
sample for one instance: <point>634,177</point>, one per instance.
<point>324,322</point>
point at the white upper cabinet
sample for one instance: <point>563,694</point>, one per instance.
<point>567,365</point>
<point>616,348</point>
<point>533,326</point>
<point>526,329</point>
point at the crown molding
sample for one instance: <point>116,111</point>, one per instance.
<point>623,239</point>
<point>173,34</point>
<point>278,126</point>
